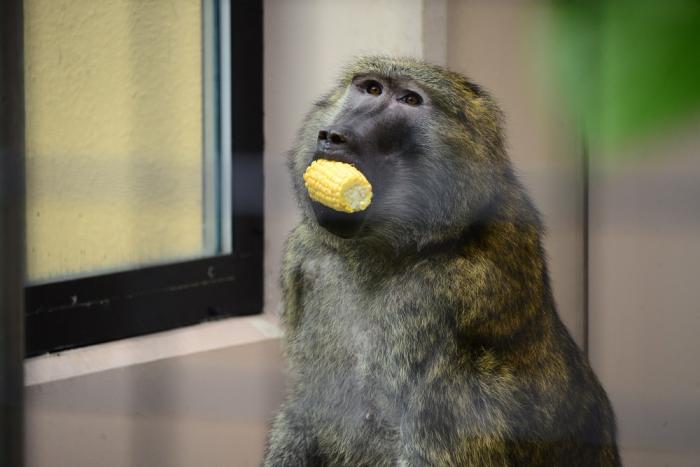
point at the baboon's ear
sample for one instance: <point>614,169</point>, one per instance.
<point>478,103</point>
<point>474,88</point>
<point>477,111</point>
<point>481,115</point>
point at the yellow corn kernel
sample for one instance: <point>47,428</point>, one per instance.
<point>338,185</point>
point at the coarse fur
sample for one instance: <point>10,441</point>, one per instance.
<point>429,337</point>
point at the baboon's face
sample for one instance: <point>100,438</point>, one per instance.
<point>428,141</point>
<point>378,125</point>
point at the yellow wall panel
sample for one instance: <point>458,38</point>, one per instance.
<point>113,134</point>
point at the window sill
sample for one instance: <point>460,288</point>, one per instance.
<point>183,341</point>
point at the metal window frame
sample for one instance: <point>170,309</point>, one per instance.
<point>12,218</point>
<point>79,312</point>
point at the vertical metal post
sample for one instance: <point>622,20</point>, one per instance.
<point>11,234</point>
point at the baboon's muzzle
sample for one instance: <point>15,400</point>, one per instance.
<point>338,223</point>
<point>342,143</point>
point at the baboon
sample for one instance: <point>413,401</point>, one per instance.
<point>422,331</point>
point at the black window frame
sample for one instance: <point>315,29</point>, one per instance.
<point>12,215</point>
<point>102,308</point>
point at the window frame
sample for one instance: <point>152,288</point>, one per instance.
<point>79,312</point>
<point>12,217</point>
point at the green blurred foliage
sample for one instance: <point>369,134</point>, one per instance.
<point>630,68</point>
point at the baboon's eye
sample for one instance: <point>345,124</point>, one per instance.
<point>374,88</point>
<point>412,99</point>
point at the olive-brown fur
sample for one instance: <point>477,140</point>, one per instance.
<point>432,338</point>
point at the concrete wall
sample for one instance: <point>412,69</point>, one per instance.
<point>645,294</point>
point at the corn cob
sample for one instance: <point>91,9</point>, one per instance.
<point>338,185</point>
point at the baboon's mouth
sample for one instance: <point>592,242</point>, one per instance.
<point>339,156</point>
<point>348,158</point>
<point>341,224</point>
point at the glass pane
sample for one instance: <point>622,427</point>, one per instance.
<point>124,167</point>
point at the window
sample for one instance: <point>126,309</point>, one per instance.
<point>144,167</point>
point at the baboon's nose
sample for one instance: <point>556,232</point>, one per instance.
<point>332,137</point>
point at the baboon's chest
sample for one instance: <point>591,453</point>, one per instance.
<point>360,340</point>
